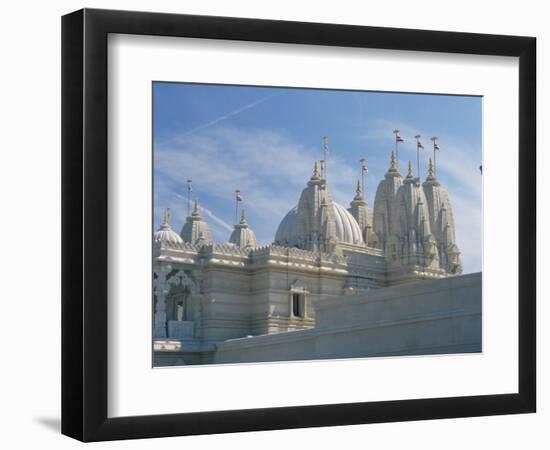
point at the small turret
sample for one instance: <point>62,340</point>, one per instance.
<point>410,170</point>
<point>363,215</point>
<point>196,230</point>
<point>315,175</point>
<point>242,236</point>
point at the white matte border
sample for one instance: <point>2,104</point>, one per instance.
<point>136,389</point>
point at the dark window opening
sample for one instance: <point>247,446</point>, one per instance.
<point>297,306</point>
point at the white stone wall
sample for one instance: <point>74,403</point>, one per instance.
<point>424,317</point>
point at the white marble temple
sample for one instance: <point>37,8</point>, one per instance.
<point>208,294</point>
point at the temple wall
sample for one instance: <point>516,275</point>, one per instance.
<point>424,317</point>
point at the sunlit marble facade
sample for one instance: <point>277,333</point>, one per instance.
<point>206,293</point>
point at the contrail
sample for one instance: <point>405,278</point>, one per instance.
<point>227,116</point>
<point>209,213</point>
<point>216,219</point>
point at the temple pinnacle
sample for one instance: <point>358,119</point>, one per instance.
<point>410,170</point>
<point>243,216</point>
<point>315,170</point>
<point>393,164</point>
<point>430,169</point>
<point>166,217</point>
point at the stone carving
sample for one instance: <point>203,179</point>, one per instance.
<point>298,286</point>
<point>182,280</point>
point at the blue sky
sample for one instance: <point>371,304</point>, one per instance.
<point>263,141</point>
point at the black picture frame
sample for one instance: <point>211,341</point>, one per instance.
<point>84,224</point>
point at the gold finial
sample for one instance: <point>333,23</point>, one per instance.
<point>166,217</point>
<point>243,216</point>
<point>393,162</point>
<point>315,170</point>
<point>196,209</point>
<point>410,173</point>
<point>358,189</point>
<point>430,169</point>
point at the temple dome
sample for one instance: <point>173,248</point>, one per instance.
<point>286,232</point>
<point>346,227</point>
<point>165,234</point>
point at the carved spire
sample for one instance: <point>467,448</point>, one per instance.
<point>393,163</point>
<point>196,209</point>
<point>315,178</point>
<point>358,193</point>
<point>410,170</point>
<point>243,217</point>
<point>430,169</point>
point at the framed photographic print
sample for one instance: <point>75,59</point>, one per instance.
<point>273,224</point>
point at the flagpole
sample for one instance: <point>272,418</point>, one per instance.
<point>237,205</point>
<point>435,167</point>
<point>396,132</point>
<point>362,161</point>
<point>188,196</point>
<point>325,153</point>
<point>417,137</point>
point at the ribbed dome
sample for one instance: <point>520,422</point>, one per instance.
<point>165,234</point>
<point>347,228</point>
<point>286,232</point>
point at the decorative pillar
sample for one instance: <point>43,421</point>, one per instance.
<point>161,290</point>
